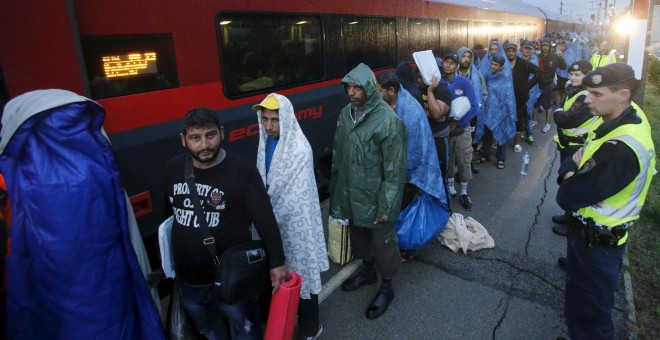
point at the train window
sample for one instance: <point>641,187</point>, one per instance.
<point>480,34</point>
<point>423,34</point>
<point>520,29</point>
<point>264,51</point>
<point>120,65</point>
<point>369,40</point>
<point>457,32</point>
<point>495,31</point>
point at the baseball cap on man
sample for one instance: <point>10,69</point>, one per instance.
<point>498,59</point>
<point>527,44</point>
<point>510,45</point>
<point>451,55</point>
<point>546,42</point>
<point>270,102</point>
<point>608,75</point>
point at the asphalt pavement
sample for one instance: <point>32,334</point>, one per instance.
<point>513,291</point>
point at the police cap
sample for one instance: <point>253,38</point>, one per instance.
<point>608,75</point>
<point>583,66</point>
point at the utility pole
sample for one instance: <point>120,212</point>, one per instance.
<point>561,7</point>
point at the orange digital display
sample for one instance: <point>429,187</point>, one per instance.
<point>130,65</point>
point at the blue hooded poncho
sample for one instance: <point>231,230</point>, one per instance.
<point>73,272</point>
<point>499,113</point>
<point>422,168</point>
<point>572,54</point>
<point>474,76</point>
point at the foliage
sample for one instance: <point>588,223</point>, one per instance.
<point>644,244</point>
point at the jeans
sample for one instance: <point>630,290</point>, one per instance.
<point>217,320</point>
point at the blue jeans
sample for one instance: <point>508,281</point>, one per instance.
<point>217,320</point>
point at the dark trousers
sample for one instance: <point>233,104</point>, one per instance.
<point>380,243</point>
<point>216,320</point>
<point>488,140</point>
<point>592,278</point>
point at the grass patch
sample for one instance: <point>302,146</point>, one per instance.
<point>644,243</point>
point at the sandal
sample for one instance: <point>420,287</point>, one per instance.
<point>500,164</point>
<point>483,159</point>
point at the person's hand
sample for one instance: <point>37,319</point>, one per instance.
<point>577,156</point>
<point>560,53</point>
<point>434,84</point>
<point>379,220</point>
<point>278,275</point>
<point>568,174</point>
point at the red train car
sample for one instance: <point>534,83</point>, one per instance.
<point>148,62</point>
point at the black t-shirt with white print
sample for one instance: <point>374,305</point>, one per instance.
<point>233,197</point>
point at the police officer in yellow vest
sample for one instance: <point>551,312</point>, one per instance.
<point>573,123</point>
<point>604,186</point>
<point>604,56</point>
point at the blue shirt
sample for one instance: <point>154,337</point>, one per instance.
<point>461,86</point>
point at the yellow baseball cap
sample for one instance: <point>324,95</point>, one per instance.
<point>270,102</point>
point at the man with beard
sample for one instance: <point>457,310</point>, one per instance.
<point>233,197</point>
<point>286,165</point>
<point>436,101</point>
<point>469,70</point>
<point>367,175</point>
<point>460,136</point>
<point>525,76</point>
<point>548,63</point>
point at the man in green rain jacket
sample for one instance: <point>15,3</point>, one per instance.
<point>368,173</point>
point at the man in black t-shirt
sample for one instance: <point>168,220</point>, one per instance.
<point>437,102</point>
<point>232,197</point>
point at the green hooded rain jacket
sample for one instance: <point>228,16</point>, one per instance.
<point>368,158</point>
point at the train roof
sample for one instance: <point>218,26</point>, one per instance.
<point>510,6</point>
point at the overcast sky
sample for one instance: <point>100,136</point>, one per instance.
<point>578,8</point>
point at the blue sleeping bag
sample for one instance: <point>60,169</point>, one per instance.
<point>73,273</point>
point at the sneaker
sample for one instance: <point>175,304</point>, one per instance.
<point>317,334</point>
<point>546,128</point>
<point>494,146</point>
<point>534,123</point>
<point>517,148</point>
<point>466,202</point>
<point>530,140</point>
<point>475,170</point>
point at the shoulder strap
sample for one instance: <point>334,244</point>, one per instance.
<point>209,241</point>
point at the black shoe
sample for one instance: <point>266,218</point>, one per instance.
<point>562,262</point>
<point>465,201</point>
<point>380,303</point>
<point>365,276</point>
<point>560,230</point>
<point>559,219</point>
<point>475,169</point>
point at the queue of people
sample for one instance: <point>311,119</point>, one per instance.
<point>397,137</point>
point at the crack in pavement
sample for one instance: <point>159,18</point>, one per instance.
<point>515,274</point>
<point>521,269</point>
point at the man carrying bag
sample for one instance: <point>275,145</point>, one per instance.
<point>231,197</point>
